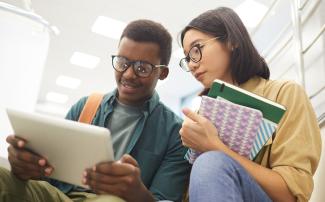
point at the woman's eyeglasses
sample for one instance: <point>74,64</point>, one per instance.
<point>195,55</point>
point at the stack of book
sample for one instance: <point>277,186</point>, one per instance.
<point>245,121</point>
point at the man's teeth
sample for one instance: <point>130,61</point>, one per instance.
<point>128,86</point>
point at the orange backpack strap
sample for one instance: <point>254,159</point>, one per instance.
<point>90,108</point>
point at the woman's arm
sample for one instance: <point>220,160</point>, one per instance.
<point>200,134</point>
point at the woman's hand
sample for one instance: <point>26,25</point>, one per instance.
<point>199,133</point>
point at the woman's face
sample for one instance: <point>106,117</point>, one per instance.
<point>215,60</point>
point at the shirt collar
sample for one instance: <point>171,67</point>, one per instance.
<point>255,85</point>
<point>150,104</point>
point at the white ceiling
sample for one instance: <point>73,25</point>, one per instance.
<point>74,19</point>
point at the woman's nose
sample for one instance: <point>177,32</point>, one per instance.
<point>193,65</point>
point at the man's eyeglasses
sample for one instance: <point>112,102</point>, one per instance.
<point>195,55</point>
<point>140,68</point>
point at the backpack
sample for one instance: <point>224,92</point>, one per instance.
<point>90,108</point>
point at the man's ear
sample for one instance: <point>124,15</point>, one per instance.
<point>163,73</point>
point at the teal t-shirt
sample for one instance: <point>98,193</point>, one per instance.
<point>122,124</point>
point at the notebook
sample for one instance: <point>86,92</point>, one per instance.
<point>271,110</point>
<point>264,133</point>
<point>237,125</point>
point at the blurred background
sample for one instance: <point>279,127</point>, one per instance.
<point>53,52</point>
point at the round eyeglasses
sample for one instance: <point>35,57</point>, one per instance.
<point>194,55</point>
<point>140,68</point>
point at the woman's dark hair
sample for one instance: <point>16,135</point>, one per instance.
<point>150,31</point>
<point>245,61</point>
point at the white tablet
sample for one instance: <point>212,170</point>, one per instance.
<point>69,146</point>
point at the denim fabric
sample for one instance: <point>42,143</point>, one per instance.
<point>217,177</point>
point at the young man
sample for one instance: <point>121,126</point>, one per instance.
<point>144,132</point>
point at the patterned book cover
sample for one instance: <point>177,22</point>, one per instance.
<point>237,125</point>
<point>264,133</point>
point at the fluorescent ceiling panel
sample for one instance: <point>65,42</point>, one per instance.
<point>84,60</point>
<point>68,82</point>
<point>108,27</point>
<point>53,109</point>
<point>56,97</point>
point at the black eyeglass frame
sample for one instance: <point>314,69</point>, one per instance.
<point>188,58</point>
<point>134,67</point>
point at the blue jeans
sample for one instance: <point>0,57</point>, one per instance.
<point>217,177</point>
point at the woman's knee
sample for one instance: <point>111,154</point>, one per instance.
<point>214,159</point>
<point>213,163</point>
<point>211,171</point>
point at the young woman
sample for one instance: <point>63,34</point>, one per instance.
<point>218,46</point>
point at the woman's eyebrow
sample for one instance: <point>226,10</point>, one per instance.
<point>192,44</point>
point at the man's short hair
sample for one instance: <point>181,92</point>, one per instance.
<point>150,31</point>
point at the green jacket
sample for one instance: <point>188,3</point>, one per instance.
<point>155,144</point>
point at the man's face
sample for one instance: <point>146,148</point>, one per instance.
<point>132,89</point>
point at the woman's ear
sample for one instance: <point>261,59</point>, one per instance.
<point>232,47</point>
<point>163,73</point>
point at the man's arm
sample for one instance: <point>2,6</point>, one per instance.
<point>76,109</point>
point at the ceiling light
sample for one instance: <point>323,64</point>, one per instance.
<point>251,12</point>
<point>108,27</point>
<point>68,82</point>
<point>50,108</point>
<point>56,97</point>
<point>84,60</point>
